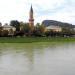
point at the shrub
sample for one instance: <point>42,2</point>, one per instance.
<point>5,33</point>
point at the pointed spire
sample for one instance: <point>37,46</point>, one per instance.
<point>31,18</point>
<point>31,9</point>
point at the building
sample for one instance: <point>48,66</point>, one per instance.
<point>9,28</point>
<point>54,28</point>
<point>31,18</point>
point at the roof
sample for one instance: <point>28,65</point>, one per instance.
<point>53,27</point>
<point>8,26</point>
<point>31,9</point>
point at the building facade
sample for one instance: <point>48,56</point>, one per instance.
<point>9,28</point>
<point>54,28</point>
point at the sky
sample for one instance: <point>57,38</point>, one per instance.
<point>60,10</point>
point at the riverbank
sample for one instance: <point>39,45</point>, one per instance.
<point>35,39</point>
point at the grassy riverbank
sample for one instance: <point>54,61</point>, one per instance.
<point>35,39</point>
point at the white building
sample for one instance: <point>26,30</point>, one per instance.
<point>9,28</point>
<point>54,28</point>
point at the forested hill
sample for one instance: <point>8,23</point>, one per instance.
<point>57,23</point>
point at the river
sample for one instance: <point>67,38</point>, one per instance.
<point>37,59</point>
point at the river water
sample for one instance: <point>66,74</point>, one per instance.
<point>37,59</point>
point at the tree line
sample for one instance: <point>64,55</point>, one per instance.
<point>39,30</point>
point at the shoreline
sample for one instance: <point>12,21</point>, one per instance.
<point>36,39</point>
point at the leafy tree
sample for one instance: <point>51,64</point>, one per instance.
<point>27,29</point>
<point>39,30</point>
<point>67,31</point>
<point>15,24</point>
<point>1,29</point>
<point>22,26</point>
<point>0,24</point>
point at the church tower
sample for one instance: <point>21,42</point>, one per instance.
<point>31,18</point>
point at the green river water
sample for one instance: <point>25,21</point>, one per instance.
<point>37,58</point>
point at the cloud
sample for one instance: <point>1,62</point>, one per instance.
<point>62,10</point>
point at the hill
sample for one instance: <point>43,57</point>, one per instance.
<point>57,23</point>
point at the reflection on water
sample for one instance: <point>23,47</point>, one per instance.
<point>37,59</point>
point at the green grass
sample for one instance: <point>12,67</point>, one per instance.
<point>35,39</point>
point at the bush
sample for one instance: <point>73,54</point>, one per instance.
<point>5,33</point>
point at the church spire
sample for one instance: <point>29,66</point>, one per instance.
<point>31,18</point>
<point>31,9</point>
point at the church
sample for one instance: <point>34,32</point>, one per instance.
<point>48,28</point>
<point>31,19</point>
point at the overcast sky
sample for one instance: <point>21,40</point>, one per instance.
<point>60,10</point>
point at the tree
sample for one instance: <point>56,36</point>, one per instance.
<point>66,31</point>
<point>27,29</point>
<point>0,24</point>
<point>15,24</point>
<point>1,29</point>
<point>39,30</point>
<point>22,26</point>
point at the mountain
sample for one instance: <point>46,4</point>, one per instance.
<point>57,23</point>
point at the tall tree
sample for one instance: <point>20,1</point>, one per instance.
<point>15,24</point>
<point>39,30</point>
<point>26,28</point>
